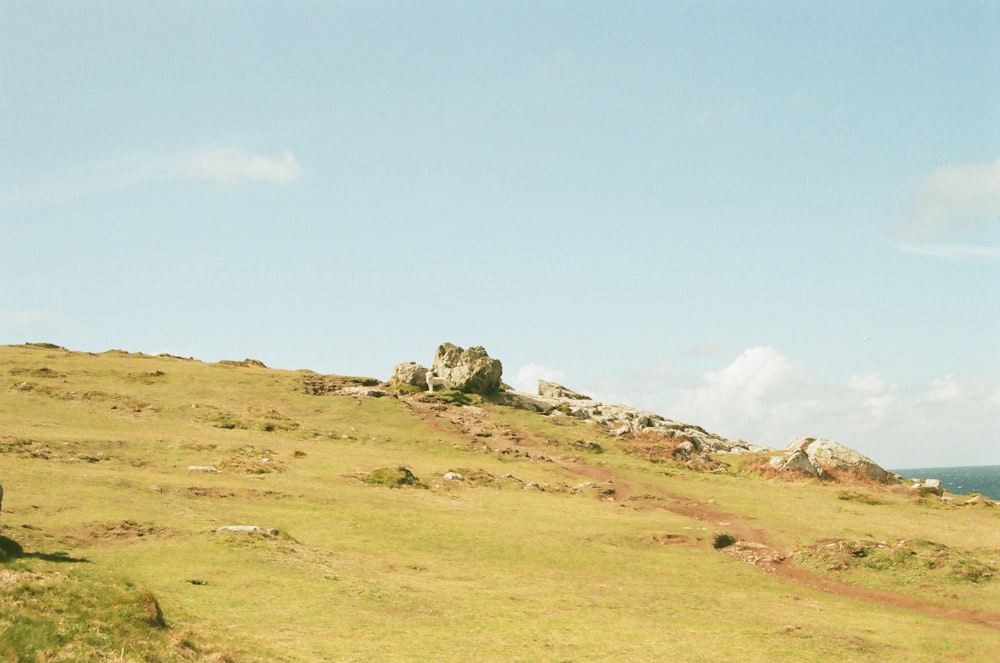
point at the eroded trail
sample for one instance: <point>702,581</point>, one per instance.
<point>753,545</point>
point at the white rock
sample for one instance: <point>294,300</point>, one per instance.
<point>827,453</point>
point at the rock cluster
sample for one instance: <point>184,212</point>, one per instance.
<point>553,390</point>
<point>928,487</point>
<point>471,370</point>
<point>474,371</point>
<point>818,457</point>
<point>554,399</point>
<point>410,373</point>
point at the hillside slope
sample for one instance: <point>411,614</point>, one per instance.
<point>509,535</point>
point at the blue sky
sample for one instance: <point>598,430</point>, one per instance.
<point>766,218</point>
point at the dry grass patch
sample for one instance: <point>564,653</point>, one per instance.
<point>904,563</point>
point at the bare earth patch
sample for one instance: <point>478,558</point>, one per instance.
<point>97,531</point>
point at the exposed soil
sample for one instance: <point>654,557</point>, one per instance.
<point>242,494</point>
<point>101,531</point>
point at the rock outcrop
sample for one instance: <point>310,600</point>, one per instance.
<point>621,419</point>
<point>797,461</point>
<point>825,459</point>
<point>410,373</point>
<point>928,487</point>
<point>472,371</point>
<point>648,434</point>
<point>552,390</point>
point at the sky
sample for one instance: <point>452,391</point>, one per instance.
<point>769,219</point>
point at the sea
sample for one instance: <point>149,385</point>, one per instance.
<point>982,479</point>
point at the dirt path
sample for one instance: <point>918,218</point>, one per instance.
<point>752,544</point>
<point>429,413</point>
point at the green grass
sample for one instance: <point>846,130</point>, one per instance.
<point>103,521</point>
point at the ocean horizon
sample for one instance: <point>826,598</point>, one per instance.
<point>981,479</point>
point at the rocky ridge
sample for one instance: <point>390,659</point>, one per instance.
<point>469,370</point>
<point>648,433</point>
<point>556,400</point>
<point>823,459</point>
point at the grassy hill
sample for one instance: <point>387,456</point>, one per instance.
<point>557,544</point>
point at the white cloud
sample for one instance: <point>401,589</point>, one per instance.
<point>949,250</point>
<point>879,396</point>
<point>642,387</point>
<point>529,375</point>
<point>956,417</point>
<point>231,165</point>
<point>24,318</point>
<point>943,390</point>
<point>748,378</point>
<point>753,390</point>
<point>765,398</point>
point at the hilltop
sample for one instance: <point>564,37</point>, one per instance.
<point>162,508</point>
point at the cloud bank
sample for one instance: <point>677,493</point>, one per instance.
<point>765,398</point>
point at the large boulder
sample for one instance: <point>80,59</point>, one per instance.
<point>828,456</point>
<point>797,461</point>
<point>472,371</point>
<point>410,373</point>
<point>554,390</point>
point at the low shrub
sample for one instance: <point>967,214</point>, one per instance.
<point>394,477</point>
